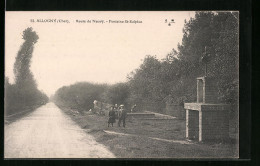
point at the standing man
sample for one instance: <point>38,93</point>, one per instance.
<point>122,115</point>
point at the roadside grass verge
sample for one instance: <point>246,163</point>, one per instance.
<point>134,142</point>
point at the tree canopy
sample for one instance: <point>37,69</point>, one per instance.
<point>157,82</point>
<point>23,93</point>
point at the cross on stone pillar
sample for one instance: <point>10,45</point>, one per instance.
<point>205,59</point>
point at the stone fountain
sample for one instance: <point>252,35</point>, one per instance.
<point>206,119</point>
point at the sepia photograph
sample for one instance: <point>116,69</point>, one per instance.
<point>121,84</point>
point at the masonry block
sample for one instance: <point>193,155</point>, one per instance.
<point>207,122</point>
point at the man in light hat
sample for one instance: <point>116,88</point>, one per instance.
<point>122,115</point>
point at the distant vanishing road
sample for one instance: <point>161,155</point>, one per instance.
<point>49,133</point>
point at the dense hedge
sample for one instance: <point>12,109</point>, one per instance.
<point>22,99</point>
<point>80,95</point>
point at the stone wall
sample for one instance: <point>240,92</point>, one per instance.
<point>215,125</point>
<point>205,122</point>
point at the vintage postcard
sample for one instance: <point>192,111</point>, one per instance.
<point>121,84</point>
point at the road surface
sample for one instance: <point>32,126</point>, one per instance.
<point>49,133</point>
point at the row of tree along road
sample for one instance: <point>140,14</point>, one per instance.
<point>23,94</point>
<point>173,80</point>
<point>155,83</point>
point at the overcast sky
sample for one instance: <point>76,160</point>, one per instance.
<point>102,53</point>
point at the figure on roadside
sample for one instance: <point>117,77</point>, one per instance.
<point>112,116</point>
<point>122,115</point>
<point>133,109</point>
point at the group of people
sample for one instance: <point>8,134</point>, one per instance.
<point>115,113</point>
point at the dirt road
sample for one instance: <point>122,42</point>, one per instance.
<point>49,133</point>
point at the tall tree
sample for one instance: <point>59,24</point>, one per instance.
<point>22,72</point>
<point>219,33</point>
<point>175,80</point>
<point>23,93</point>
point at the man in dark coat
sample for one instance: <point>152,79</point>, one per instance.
<point>122,115</point>
<point>112,116</point>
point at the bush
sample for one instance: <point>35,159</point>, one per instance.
<point>80,95</point>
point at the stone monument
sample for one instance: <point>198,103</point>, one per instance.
<point>207,120</point>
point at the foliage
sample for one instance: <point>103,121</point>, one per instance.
<point>80,95</point>
<point>116,94</point>
<point>157,82</point>
<point>174,81</point>
<point>23,93</point>
<point>23,75</point>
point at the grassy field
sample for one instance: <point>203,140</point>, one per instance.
<point>150,138</point>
